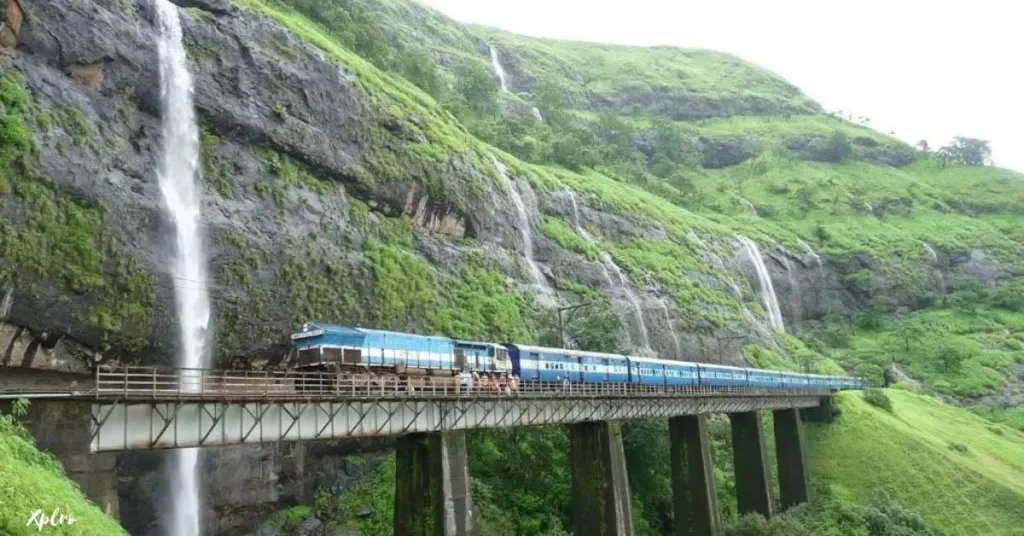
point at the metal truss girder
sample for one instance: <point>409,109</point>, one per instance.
<point>144,425</point>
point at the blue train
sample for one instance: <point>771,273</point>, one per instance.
<point>319,346</point>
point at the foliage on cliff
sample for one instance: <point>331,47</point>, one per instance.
<point>699,143</point>
<point>33,480</point>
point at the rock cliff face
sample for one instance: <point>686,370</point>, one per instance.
<point>292,140</point>
<point>304,167</point>
<point>331,195</point>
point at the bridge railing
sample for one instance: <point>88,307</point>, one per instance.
<point>173,384</point>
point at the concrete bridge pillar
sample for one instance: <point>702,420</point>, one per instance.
<point>694,498</point>
<point>64,428</point>
<point>432,495</point>
<point>823,412</point>
<point>750,460</point>
<point>600,485</point>
<point>794,487</point>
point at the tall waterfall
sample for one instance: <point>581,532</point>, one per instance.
<point>182,195</point>
<point>498,69</point>
<point>526,231</point>
<point>609,267</point>
<point>672,330</point>
<point>768,298</point>
<point>725,273</point>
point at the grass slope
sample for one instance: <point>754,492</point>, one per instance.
<point>959,472</point>
<point>31,480</point>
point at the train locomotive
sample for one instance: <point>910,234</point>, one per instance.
<point>328,347</point>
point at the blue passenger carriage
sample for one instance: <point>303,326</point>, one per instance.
<point>536,363</point>
<point>723,375</point>
<point>555,364</point>
<point>770,379</point>
<point>680,373</point>
<point>650,371</point>
<point>646,371</point>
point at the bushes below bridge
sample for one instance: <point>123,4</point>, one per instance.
<point>32,480</point>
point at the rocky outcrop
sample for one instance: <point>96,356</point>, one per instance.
<point>725,151</point>
<point>832,149</point>
<point>49,351</point>
<point>641,99</point>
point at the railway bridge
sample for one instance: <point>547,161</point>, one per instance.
<point>164,408</point>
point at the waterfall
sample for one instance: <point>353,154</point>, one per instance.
<point>931,252</point>
<point>817,258</point>
<point>609,267</point>
<point>177,177</point>
<point>526,231</point>
<point>768,298</point>
<point>724,272</point>
<point>536,114</point>
<point>749,205</point>
<point>672,330</point>
<point>588,237</point>
<point>498,69</point>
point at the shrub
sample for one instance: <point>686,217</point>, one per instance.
<point>878,398</point>
<point>957,447</point>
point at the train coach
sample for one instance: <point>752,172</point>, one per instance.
<point>319,346</point>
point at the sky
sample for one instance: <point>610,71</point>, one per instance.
<point>922,69</point>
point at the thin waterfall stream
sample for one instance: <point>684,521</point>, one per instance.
<point>768,297</point>
<point>609,267</point>
<point>498,69</point>
<point>182,195</point>
<point>526,232</point>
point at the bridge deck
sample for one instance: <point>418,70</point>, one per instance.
<point>150,408</point>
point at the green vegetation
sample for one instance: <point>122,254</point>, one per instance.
<point>878,398</point>
<point>567,237</point>
<point>828,515</point>
<point>73,121</point>
<point>960,473</point>
<point>31,479</point>
<point>128,7</point>
<point>60,238</point>
<point>963,348</point>
<point>1012,417</point>
<point>368,506</point>
<point>213,170</point>
<point>813,179</point>
<point>292,173</point>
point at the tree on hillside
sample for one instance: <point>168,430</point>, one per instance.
<point>838,147</point>
<point>951,358</point>
<point>967,151</point>
<point>594,327</point>
<point>908,332</point>
<point>923,146</point>
<point>478,89</point>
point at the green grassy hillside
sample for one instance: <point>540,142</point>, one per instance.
<point>31,480</point>
<point>961,473</point>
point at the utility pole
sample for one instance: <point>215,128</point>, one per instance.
<point>571,310</point>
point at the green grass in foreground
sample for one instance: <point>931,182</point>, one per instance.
<point>31,480</point>
<point>961,473</point>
